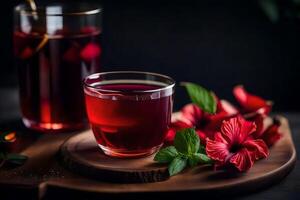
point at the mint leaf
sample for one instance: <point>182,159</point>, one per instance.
<point>177,165</point>
<point>194,160</point>
<point>187,141</point>
<point>17,159</point>
<point>204,159</point>
<point>198,158</point>
<point>166,155</point>
<point>201,97</point>
<point>186,151</point>
<point>202,150</point>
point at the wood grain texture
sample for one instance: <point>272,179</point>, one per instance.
<point>202,178</point>
<point>82,155</point>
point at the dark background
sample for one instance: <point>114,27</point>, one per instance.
<point>215,43</point>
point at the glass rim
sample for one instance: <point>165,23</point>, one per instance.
<point>163,88</point>
<point>23,9</point>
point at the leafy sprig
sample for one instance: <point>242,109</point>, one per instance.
<point>187,151</point>
<point>202,97</point>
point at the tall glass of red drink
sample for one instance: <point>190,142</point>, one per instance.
<point>55,47</point>
<point>129,111</point>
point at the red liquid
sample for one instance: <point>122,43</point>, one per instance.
<point>50,77</point>
<point>128,127</point>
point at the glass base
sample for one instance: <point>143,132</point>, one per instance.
<point>121,153</point>
<point>53,127</point>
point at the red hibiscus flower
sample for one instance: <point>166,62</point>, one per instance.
<point>271,134</point>
<point>234,146</point>
<point>251,103</point>
<point>256,109</point>
<point>267,129</point>
<point>253,108</point>
<point>191,116</point>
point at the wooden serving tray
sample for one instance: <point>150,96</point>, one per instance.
<point>81,154</point>
<point>43,171</point>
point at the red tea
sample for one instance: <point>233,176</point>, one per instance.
<point>129,122</point>
<point>51,71</point>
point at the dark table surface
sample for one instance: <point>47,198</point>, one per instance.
<point>289,188</point>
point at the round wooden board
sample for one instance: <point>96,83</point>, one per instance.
<point>82,155</point>
<point>201,178</point>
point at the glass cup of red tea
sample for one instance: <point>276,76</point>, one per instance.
<point>129,112</point>
<point>55,47</point>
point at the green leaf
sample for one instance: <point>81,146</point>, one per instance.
<point>198,158</point>
<point>201,97</point>
<point>177,165</point>
<point>166,155</point>
<point>202,150</point>
<point>203,159</point>
<point>194,160</point>
<point>17,159</point>
<point>187,141</point>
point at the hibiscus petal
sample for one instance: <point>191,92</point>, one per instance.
<point>250,102</point>
<point>227,107</point>
<point>90,51</point>
<point>271,135</point>
<point>258,119</point>
<point>237,129</point>
<point>192,114</point>
<point>246,128</point>
<point>202,135</point>
<point>217,150</point>
<point>170,136</point>
<point>231,130</point>
<point>258,148</point>
<point>214,122</point>
<point>262,122</point>
<point>242,160</point>
<point>219,138</point>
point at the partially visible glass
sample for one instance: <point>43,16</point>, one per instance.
<point>55,47</point>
